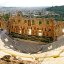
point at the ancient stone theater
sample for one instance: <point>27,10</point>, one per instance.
<point>34,26</point>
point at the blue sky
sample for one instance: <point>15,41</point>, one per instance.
<point>31,3</point>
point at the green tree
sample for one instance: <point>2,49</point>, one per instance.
<point>6,17</point>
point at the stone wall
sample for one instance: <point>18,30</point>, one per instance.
<point>33,26</point>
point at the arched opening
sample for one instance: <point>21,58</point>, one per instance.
<point>29,31</point>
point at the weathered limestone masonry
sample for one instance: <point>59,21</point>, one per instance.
<point>33,26</point>
<point>2,24</point>
<point>55,56</point>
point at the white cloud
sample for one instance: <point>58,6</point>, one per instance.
<point>30,3</point>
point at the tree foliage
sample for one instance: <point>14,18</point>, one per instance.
<point>6,17</point>
<point>59,10</point>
